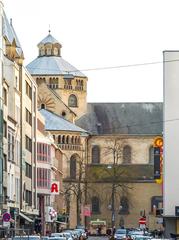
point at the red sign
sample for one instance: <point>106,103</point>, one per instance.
<point>142,221</point>
<point>87,211</point>
<point>54,188</point>
<point>6,217</point>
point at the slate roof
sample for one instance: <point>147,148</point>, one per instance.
<point>55,122</point>
<point>52,65</point>
<point>10,34</point>
<point>48,39</point>
<point>123,118</point>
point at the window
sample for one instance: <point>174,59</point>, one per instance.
<point>28,90</point>
<point>4,162</point>
<point>43,178</point>
<point>124,206</point>
<point>4,129</point>
<point>43,106</point>
<point>28,197</point>
<point>72,101</point>
<point>59,139</point>
<point>53,83</point>
<point>73,167</point>
<point>28,117</point>
<point>49,51</point>
<point>10,144</point>
<point>96,155</point>
<point>17,189</point>
<point>5,96</point>
<point>95,205</point>
<point>151,155</point>
<point>17,160</point>
<point>28,143</point>
<point>127,154</point>
<point>43,152</point>
<point>28,170</point>
<point>17,82</point>
<point>4,195</point>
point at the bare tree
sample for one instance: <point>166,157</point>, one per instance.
<point>113,174</point>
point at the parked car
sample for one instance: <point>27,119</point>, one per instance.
<point>57,238</point>
<point>120,233</point>
<point>58,235</point>
<point>30,237</point>
<point>68,235</point>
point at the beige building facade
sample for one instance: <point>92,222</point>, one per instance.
<point>62,91</point>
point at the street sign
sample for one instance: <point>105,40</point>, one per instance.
<point>142,221</point>
<point>6,224</point>
<point>6,217</point>
<point>158,142</point>
<point>87,210</point>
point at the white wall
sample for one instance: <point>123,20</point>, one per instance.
<point>171,132</point>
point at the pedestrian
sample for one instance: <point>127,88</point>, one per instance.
<point>113,230</point>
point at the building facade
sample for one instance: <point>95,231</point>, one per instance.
<point>62,90</point>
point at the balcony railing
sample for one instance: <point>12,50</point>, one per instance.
<point>53,86</point>
<point>76,147</point>
<point>68,86</point>
<point>79,88</point>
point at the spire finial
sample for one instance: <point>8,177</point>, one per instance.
<point>49,29</point>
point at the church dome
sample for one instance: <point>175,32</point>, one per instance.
<point>50,62</point>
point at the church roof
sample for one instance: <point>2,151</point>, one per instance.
<point>48,39</point>
<point>123,118</point>
<point>10,34</point>
<point>55,122</point>
<point>52,65</point>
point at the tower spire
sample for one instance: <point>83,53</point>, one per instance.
<point>49,29</point>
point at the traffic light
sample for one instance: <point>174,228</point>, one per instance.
<point>157,167</point>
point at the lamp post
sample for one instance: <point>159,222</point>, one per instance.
<point>112,195</point>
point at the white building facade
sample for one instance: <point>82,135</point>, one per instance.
<point>171,141</point>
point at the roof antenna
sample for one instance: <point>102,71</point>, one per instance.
<point>49,29</point>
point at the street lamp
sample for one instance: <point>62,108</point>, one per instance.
<point>112,196</point>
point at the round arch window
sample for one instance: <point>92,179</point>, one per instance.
<point>72,101</point>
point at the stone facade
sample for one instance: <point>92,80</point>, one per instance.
<point>134,126</point>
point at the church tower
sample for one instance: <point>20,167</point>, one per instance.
<point>61,79</point>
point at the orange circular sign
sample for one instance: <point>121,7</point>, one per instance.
<point>158,142</point>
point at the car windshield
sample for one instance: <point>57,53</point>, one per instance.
<point>121,231</point>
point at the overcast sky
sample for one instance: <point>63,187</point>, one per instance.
<point>104,33</point>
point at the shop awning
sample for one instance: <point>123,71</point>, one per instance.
<point>25,217</point>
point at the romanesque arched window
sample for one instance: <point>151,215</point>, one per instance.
<point>151,155</point>
<point>96,154</point>
<point>124,206</point>
<point>72,101</point>
<point>73,167</point>
<point>95,205</point>
<point>63,139</point>
<point>59,139</point>
<point>127,154</point>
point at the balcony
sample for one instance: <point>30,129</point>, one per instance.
<point>72,147</point>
